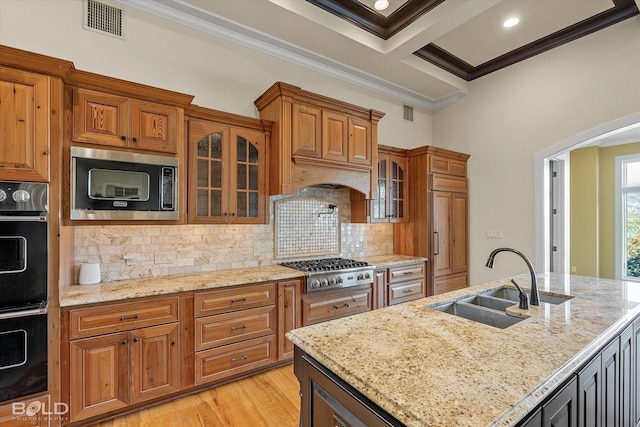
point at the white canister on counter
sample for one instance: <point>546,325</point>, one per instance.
<point>89,274</point>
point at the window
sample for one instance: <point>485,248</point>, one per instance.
<point>628,177</point>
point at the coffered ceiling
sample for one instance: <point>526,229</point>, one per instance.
<point>424,52</point>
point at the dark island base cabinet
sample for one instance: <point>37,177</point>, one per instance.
<point>327,401</point>
<point>603,393</point>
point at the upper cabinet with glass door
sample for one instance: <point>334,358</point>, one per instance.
<point>227,173</point>
<point>391,204</point>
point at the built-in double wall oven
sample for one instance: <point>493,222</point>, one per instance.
<point>23,289</point>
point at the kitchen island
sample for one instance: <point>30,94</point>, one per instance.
<point>417,366</point>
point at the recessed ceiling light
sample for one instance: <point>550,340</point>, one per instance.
<point>511,22</point>
<point>381,4</point>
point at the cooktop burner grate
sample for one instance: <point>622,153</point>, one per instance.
<point>327,264</point>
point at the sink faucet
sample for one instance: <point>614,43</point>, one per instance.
<point>535,297</point>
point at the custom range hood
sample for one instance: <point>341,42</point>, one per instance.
<point>319,141</point>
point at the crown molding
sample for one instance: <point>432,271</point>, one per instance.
<point>207,22</point>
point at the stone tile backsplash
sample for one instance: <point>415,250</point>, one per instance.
<point>126,252</point>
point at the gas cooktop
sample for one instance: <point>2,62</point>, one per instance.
<point>327,264</point>
<point>331,273</point>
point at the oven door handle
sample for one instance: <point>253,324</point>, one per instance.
<point>24,313</point>
<point>19,218</point>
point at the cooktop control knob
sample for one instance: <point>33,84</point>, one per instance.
<point>339,280</point>
<point>332,280</point>
<point>360,276</point>
<point>20,196</point>
<point>323,282</point>
<point>315,283</point>
<point>366,275</point>
<point>3,196</point>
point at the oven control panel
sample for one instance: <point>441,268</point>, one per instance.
<point>23,197</point>
<point>339,279</point>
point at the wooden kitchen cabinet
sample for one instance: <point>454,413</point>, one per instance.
<point>437,227</point>
<point>319,140</point>
<point>119,121</point>
<point>235,331</point>
<point>9,417</point>
<point>112,120</point>
<point>289,315</point>
<point>406,282</point>
<point>111,370</point>
<point>329,305</point>
<point>227,172</point>
<point>391,204</point>
<point>24,134</point>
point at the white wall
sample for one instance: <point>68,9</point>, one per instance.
<point>505,119</point>
<point>157,52</point>
<point>510,115</point>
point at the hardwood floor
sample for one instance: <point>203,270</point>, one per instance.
<point>269,399</point>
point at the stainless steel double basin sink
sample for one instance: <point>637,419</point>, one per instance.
<point>490,307</point>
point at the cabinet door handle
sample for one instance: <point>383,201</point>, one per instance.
<point>135,339</point>
<point>436,237</point>
<point>345,305</point>
<point>238,300</point>
<point>135,139</point>
<point>135,316</point>
<point>239,359</point>
<point>235,328</point>
<point>123,342</point>
<point>123,137</point>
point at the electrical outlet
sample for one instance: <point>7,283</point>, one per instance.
<point>164,257</point>
<point>129,259</point>
<point>573,269</point>
<point>494,234</point>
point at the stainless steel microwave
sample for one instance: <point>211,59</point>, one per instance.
<point>118,185</point>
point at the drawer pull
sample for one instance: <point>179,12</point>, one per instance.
<point>345,305</point>
<point>238,300</point>
<point>235,328</point>
<point>239,359</point>
<point>135,316</point>
<point>407,291</point>
<point>407,273</point>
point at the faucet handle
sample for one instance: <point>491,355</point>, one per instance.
<point>524,298</point>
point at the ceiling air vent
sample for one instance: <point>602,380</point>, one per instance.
<point>102,18</point>
<point>408,113</point>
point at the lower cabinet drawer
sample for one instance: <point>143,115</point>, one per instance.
<point>87,322</point>
<point>449,283</point>
<point>406,291</point>
<point>406,272</point>
<point>228,360</point>
<point>222,329</point>
<point>35,412</point>
<point>321,308</point>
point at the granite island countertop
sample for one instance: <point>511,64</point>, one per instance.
<point>428,368</point>
<point>162,285</point>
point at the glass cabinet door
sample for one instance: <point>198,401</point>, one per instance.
<point>210,179</point>
<point>249,176</point>
<point>227,174</point>
<point>392,184</point>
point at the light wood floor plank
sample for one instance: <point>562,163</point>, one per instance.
<point>269,399</point>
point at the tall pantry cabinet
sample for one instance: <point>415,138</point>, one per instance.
<point>437,227</point>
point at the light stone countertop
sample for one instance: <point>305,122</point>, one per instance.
<point>151,286</point>
<point>391,260</point>
<point>428,368</point>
